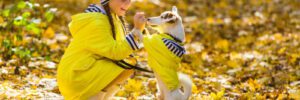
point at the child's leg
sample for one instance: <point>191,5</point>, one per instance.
<point>113,87</point>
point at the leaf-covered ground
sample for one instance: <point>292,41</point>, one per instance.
<point>236,49</point>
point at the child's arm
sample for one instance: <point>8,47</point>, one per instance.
<point>101,42</point>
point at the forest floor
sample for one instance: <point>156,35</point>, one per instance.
<point>236,49</point>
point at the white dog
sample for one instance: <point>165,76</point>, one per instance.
<point>164,55</point>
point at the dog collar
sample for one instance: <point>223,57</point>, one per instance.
<point>175,38</point>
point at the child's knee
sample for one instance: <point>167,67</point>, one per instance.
<point>124,76</point>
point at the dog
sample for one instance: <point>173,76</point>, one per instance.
<point>164,56</point>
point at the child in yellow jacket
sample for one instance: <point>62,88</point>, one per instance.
<point>86,70</point>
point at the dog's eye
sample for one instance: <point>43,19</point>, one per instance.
<point>170,15</point>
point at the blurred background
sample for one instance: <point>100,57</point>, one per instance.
<point>236,49</point>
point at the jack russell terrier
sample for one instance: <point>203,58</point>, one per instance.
<point>165,51</point>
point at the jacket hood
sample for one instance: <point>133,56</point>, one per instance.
<point>82,20</point>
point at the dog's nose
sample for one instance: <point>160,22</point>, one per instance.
<point>148,19</point>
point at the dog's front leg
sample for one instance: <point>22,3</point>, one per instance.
<point>160,86</point>
<point>160,94</point>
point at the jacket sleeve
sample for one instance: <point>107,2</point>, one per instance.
<point>101,42</point>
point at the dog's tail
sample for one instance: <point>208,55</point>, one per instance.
<point>187,83</point>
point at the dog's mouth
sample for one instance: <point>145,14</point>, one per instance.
<point>151,24</point>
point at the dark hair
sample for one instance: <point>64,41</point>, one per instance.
<point>111,21</point>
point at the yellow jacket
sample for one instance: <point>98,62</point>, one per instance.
<point>83,71</point>
<point>164,56</point>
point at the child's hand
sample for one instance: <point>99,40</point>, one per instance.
<point>139,21</point>
<point>137,34</point>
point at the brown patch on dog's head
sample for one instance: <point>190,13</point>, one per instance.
<point>169,16</point>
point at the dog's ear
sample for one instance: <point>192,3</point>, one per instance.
<point>171,18</point>
<point>174,9</point>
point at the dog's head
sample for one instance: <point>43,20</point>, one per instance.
<point>170,22</point>
<point>167,17</point>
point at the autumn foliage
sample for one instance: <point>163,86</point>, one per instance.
<point>236,49</point>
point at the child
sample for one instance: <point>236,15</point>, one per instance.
<point>87,70</point>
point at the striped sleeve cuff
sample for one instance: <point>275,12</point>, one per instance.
<point>133,44</point>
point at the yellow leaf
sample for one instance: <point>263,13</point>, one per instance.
<point>49,33</point>
<point>253,85</point>
<point>232,63</point>
<point>35,54</point>
<point>152,84</point>
<point>218,95</point>
<point>261,97</point>
<point>210,20</point>
<point>281,96</point>
<point>221,93</point>
<point>213,95</point>
<point>245,40</point>
<point>293,58</point>
<point>234,56</point>
<point>223,45</point>
<point>134,85</point>
<point>34,87</point>
<point>194,89</point>
<point>282,50</point>
<point>204,55</point>
<point>278,37</point>
<point>54,46</point>
<point>121,93</point>
<point>295,95</point>
<point>1,20</point>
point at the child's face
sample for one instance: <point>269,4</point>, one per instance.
<point>120,6</point>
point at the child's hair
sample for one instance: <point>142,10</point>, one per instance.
<point>111,21</point>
